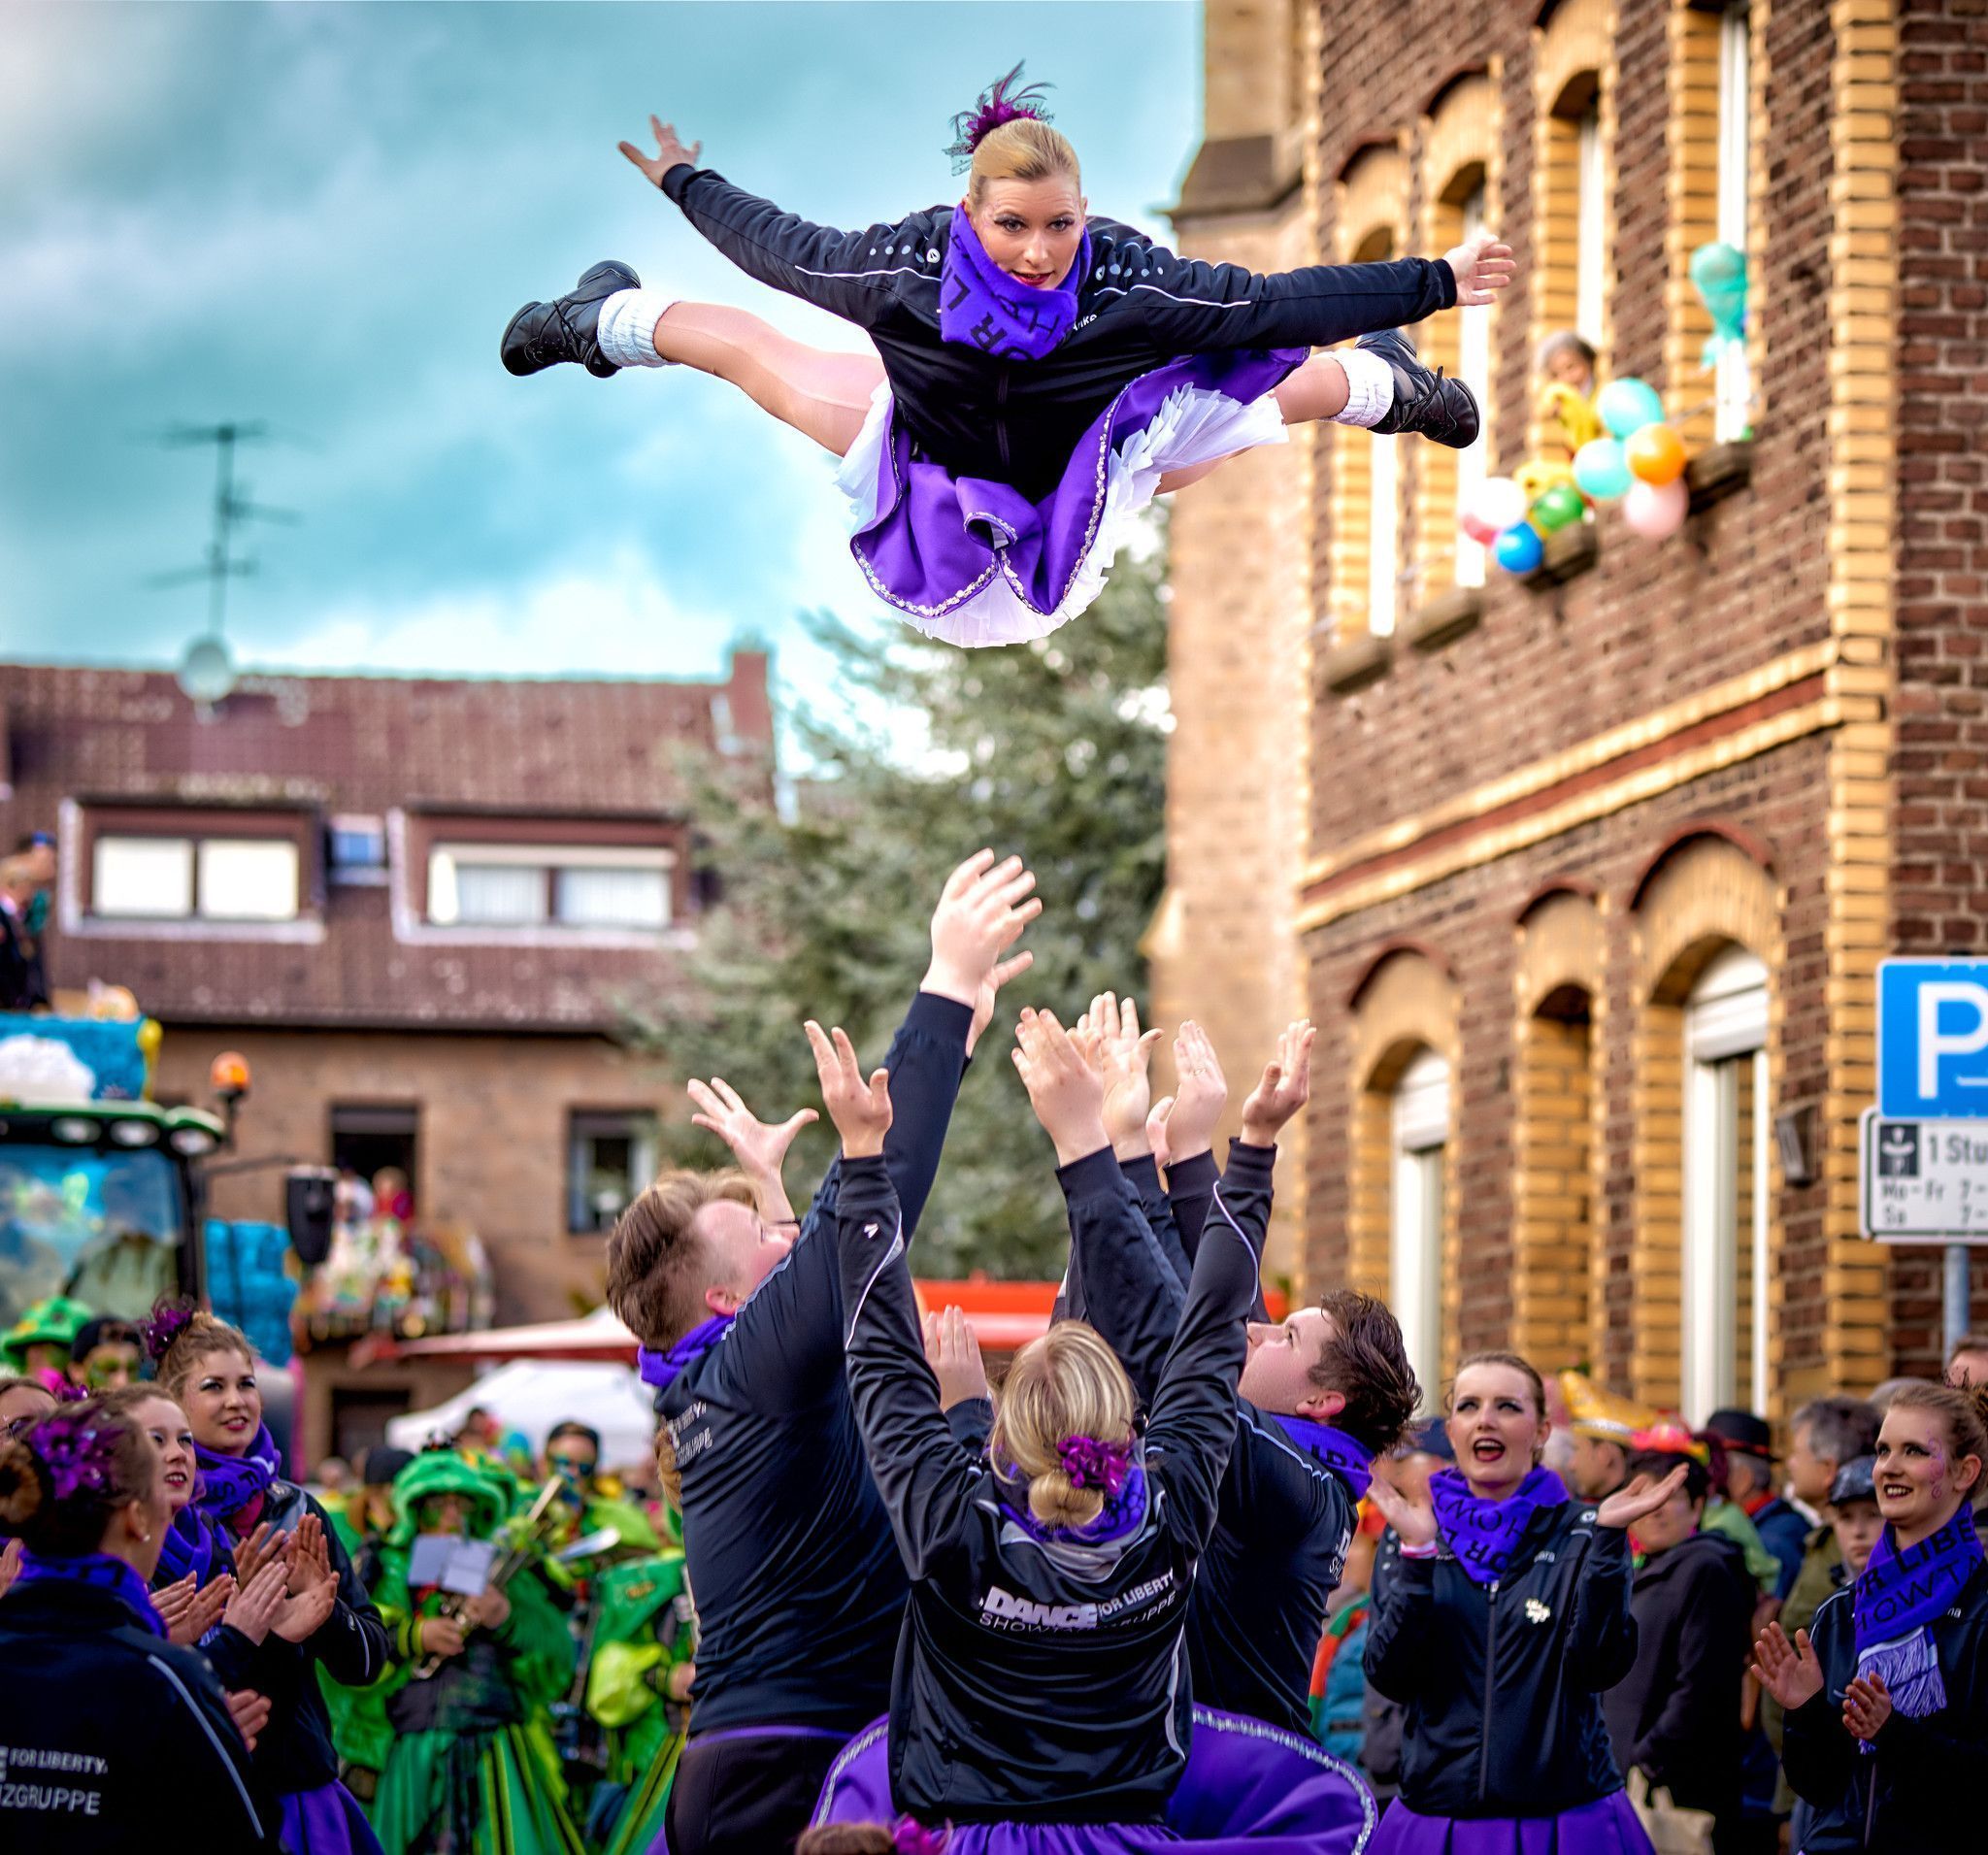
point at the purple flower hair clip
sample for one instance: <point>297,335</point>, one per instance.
<point>77,1454</point>
<point>913,1838</point>
<point>167,1322</point>
<point>1093,1464</point>
<point>998,103</point>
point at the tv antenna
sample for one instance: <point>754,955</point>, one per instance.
<point>206,673</point>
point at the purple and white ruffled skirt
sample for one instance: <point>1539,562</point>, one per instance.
<point>1249,1789</point>
<point>1608,1826</point>
<point>974,562</point>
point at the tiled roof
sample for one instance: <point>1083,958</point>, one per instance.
<point>77,737</point>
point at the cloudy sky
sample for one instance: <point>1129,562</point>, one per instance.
<point>322,215</point>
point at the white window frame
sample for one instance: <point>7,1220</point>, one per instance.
<point>584,1124</point>
<point>1474,368</point>
<point>1724,1025</point>
<point>1420,1138</point>
<point>1733,388</point>
<point>205,884</point>
<point>103,899</point>
<point>447,858</point>
<point>1591,211</point>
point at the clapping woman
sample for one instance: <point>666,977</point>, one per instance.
<point>1504,1616</point>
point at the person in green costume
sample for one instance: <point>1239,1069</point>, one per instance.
<point>594,1504</point>
<point>359,1731</point>
<point>638,1688</point>
<point>471,1769</point>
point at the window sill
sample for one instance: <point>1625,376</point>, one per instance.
<point>1356,663</point>
<point>1570,551</point>
<point>1443,619</point>
<point>1718,472</point>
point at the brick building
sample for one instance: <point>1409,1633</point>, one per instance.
<point>411,904</point>
<point>1585,876</point>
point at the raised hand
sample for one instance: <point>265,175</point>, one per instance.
<point>1644,1495</point>
<point>249,1710</point>
<point>254,1607</point>
<point>309,1555</point>
<point>1285,1087</point>
<point>953,1349</point>
<point>1483,267</point>
<point>1867,1706</point>
<point>982,913</point>
<point>1414,1521</point>
<point>262,1547</point>
<point>1066,1092</point>
<point>670,152</point>
<point>990,987</point>
<point>1124,1060</point>
<point>1788,1670</point>
<point>859,1109</point>
<point>303,1613</point>
<point>759,1146</point>
<point>1201,1093</point>
<point>199,1614</point>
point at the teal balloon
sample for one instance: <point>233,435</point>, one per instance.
<point>1627,405</point>
<point>1558,508</point>
<point>1718,273</point>
<point>1521,549</point>
<point>1602,470</point>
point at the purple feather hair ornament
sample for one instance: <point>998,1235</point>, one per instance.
<point>913,1838</point>
<point>1090,1463</point>
<point>77,1452</point>
<point>1000,103</point>
<point>167,1321</point>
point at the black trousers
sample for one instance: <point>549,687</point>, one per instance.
<point>747,1793</point>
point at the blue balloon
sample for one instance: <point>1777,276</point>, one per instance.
<point>1627,405</point>
<point>1602,470</point>
<point>1519,548</point>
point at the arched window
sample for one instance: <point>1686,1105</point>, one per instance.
<point>1726,1135</point>
<point>1420,1131</point>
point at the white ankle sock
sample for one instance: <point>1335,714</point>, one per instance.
<point>1369,386</point>
<point>628,327</point>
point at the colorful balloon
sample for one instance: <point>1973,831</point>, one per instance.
<point>1559,508</point>
<point>1656,454</point>
<point>1656,510</point>
<point>1627,405</point>
<point>1519,550</point>
<point>1602,470</point>
<point>1497,504</point>
<point>1480,531</point>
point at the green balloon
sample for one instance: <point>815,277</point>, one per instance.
<point>1558,508</point>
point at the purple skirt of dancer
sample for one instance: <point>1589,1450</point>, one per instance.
<point>974,562</point>
<point>326,1821</point>
<point>1250,1789</point>
<point>1608,1826</point>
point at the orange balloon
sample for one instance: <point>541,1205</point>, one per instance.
<point>1656,454</point>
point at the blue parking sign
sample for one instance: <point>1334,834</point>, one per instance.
<point>1932,1039</point>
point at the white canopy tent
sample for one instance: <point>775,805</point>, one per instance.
<point>531,1394</point>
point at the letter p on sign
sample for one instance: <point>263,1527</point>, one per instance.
<point>1932,1039</point>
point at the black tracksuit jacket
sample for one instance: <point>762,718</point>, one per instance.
<point>800,1592</point>
<point>1285,1519</point>
<point>1920,1791</point>
<point>1041,1680</point>
<point>1016,421</point>
<point>1503,1682</point>
<point>112,1740</point>
<point>1676,1713</point>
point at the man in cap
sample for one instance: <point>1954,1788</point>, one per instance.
<point>1750,1484</point>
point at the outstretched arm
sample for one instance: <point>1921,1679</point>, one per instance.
<point>922,1472</point>
<point>848,274</point>
<point>1190,307</point>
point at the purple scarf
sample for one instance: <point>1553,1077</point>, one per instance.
<point>980,306</point>
<point>229,1483</point>
<point>190,1547</point>
<point>1122,1514</point>
<point>101,1573</point>
<point>1485,1535</point>
<point>1897,1600</point>
<point>1352,1462</point>
<point>663,1368</point>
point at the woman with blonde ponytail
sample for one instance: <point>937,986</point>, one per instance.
<point>1041,1702</point>
<point>1039,372</point>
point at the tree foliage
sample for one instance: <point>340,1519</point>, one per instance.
<point>1054,749</point>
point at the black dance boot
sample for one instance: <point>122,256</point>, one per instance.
<point>541,335</point>
<point>1424,400</point>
